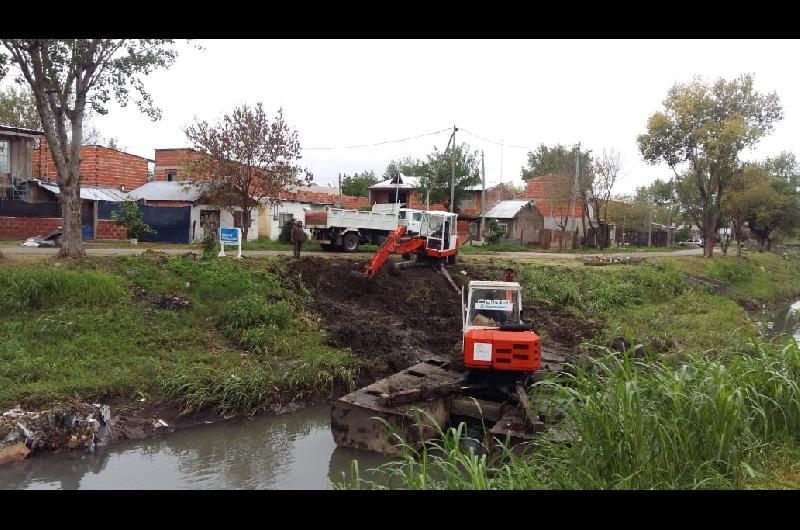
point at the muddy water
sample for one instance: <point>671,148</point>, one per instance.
<point>784,319</point>
<point>293,451</point>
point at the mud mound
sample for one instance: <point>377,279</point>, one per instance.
<point>393,319</point>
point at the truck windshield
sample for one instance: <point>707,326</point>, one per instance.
<point>492,307</point>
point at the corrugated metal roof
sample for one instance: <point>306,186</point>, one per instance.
<point>92,193</point>
<point>167,191</point>
<point>507,209</point>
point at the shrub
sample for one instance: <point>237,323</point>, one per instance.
<point>130,216</point>
<point>286,232</point>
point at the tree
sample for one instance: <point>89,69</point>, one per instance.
<point>437,173</point>
<point>358,184</point>
<point>67,76</point>
<point>407,166</point>
<point>18,109</point>
<point>606,171</point>
<point>704,128</point>
<point>556,160</point>
<point>784,166</point>
<point>245,159</point>
<point>556,201</point>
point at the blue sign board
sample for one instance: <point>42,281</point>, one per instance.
<point>229,236</point>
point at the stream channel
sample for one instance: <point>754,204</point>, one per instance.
<point>292,451</point>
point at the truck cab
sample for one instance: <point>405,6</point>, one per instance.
<point>411,219</point>
<point>495,338</point>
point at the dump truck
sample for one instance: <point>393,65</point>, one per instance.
<point>343,229</point>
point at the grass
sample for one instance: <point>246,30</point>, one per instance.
<point>636,424</point>
<point>245,342</point>
<point>509,247</point>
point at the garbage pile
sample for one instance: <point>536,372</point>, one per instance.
<point>72,425</point>
<point>612,260</point>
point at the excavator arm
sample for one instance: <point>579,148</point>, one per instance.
<point>394,244</point>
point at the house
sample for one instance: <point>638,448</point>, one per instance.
<point>101,167</point>
<point>186,213</point>
<point>520,221</point>
<point>403,189</point>
<point>16,148</point>
<point>40,212</point>
<point>562,217</point>
<point>472,206</point>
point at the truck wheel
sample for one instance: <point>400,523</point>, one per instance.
<point>452,259</point>
<point>350,242</point>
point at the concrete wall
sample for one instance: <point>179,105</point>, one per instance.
<point>271,228</point>
<point>226,221</point>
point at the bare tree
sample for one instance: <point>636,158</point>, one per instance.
<point>557,195</point>
<point>67,76</point>
<point>245,158</point>
<point>606,171</point>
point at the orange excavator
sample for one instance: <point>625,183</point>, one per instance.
<point>436,242</point>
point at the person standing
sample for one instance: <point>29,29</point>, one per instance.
<point>298,236</point>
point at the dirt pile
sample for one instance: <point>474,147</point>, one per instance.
<point>393,320</point>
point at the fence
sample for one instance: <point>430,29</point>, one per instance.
<point>12,208</point>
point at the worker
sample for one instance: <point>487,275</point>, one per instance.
<point>298,236</point>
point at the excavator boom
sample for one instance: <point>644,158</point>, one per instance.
<point>394,244</point>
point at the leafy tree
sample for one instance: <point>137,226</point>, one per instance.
<point>407,166</point>
<point>437,173</point>
<point>703,128</point>
<point>18,109</point>
<point>358,184</point>
<point>784,166</point>
<point>67,76</point>
<point>130,216</point>
<point>556,160</point>
<point>245,159</point>
<point>495,231</point>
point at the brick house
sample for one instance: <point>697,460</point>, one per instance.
<point>16,147</point>
<point>102,167</point>
<point>170,164</point>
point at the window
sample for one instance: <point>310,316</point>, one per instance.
<point>285,218</point>
<point>172,176</point>
<point>5,156</point>
<point>490,307</point>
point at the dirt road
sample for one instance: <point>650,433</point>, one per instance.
<point>517,256</point>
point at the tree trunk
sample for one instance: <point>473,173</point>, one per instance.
<point>71,241</point>
<point>708,246</point>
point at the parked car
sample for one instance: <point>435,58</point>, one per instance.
<point>695,242</point>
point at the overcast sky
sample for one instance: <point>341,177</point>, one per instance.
<point>341,93</point>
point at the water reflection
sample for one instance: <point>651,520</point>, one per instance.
<point>295,451</point>
<point>785,319</point>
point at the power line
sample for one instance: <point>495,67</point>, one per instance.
<point>379,143</point>
<point>494,142</point>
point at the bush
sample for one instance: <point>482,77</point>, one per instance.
<point>732,271</point>
<point>495,231</point>
<point>210,245</point>
<point>130,216</point>
<point>286,232</point>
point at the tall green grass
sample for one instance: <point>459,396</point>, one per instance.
<point>36,288</point>
<point>635,424</point>
<point>600,289</point>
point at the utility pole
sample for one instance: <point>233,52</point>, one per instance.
<point>649,224</point>
<point>502,151</point>
<point>483,197</point>
<point>453,172</point>
<point>340,190</point>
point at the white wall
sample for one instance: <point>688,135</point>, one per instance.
<point>226,220</point>
<point>297,209</point>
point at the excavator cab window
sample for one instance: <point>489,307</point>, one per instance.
<point>492,307</point>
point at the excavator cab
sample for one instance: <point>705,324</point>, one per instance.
<point>495,338</point>
<point>439,229</point>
